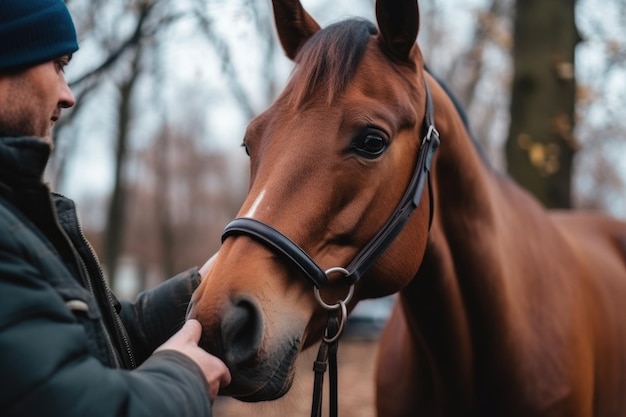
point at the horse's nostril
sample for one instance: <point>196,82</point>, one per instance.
<point>242,331</point>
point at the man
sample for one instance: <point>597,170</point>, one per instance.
<point>67,346</point>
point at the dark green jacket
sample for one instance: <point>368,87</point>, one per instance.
<point>67,346</point>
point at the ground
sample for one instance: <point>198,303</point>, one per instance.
<point>356,364</point>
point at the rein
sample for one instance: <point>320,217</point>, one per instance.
<point>274,239</point>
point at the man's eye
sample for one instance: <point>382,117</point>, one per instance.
<point>60,65</point>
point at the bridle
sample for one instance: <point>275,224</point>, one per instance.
<point>280,243</point>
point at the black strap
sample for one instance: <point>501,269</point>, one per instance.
<point>319,367</point>
<point>326,359</point>
<point>333,386</point>
<point>411,199</point>
<point>274,239</point>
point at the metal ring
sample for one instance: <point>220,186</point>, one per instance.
<point>344,315</point>
<point>336,306</point>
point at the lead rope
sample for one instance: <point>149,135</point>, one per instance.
<point>327,359</point>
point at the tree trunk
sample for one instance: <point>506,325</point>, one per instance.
<point>163,206</point>
<point>117,206</point>
<point>540,147</point>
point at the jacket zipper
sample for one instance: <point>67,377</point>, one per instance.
<point>85,271</point>
<point>116,318</point>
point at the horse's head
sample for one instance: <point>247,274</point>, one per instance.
<point>330,161</point>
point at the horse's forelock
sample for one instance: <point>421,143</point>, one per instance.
<point>329,60</point>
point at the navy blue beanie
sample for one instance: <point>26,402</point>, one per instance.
<point>34,31</point>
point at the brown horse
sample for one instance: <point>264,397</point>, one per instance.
<point>505,309</point>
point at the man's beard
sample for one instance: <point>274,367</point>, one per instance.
<point>17,127</point>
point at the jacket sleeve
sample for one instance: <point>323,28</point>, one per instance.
<point>158,313</point>
<point>46,368</point>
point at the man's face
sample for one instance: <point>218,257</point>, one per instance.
<point>31,99</point>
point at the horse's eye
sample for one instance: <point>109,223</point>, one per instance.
<point>371,143</point>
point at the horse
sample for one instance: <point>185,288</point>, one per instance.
<point>363,169</point>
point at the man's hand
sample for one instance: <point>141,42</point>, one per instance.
<point>186,341</point>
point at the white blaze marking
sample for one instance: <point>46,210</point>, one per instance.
<point>255,205</point>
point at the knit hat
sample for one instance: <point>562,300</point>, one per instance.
<point>34,31</point>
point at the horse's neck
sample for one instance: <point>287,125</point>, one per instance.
<point>459,295</point>
<point>480,215</point>
<point>504,291</point>
<point>467,197</point>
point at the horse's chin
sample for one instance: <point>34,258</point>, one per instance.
<point>267,379</point>
<point>268,392</point>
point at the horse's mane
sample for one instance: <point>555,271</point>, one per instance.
<point>462,114</point>
<point>329,60</point>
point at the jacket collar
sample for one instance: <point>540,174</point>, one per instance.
<point>23,160</point>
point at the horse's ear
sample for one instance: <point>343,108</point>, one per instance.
<point>398,21</point>
<point>293,24</point>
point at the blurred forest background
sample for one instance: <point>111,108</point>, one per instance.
<point>165,88</point>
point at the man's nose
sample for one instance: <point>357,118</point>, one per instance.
<point>66,99</point>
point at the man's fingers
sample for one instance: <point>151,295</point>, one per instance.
<point>192,329</point>
<point>186,341</point>
<point>226,376</point>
